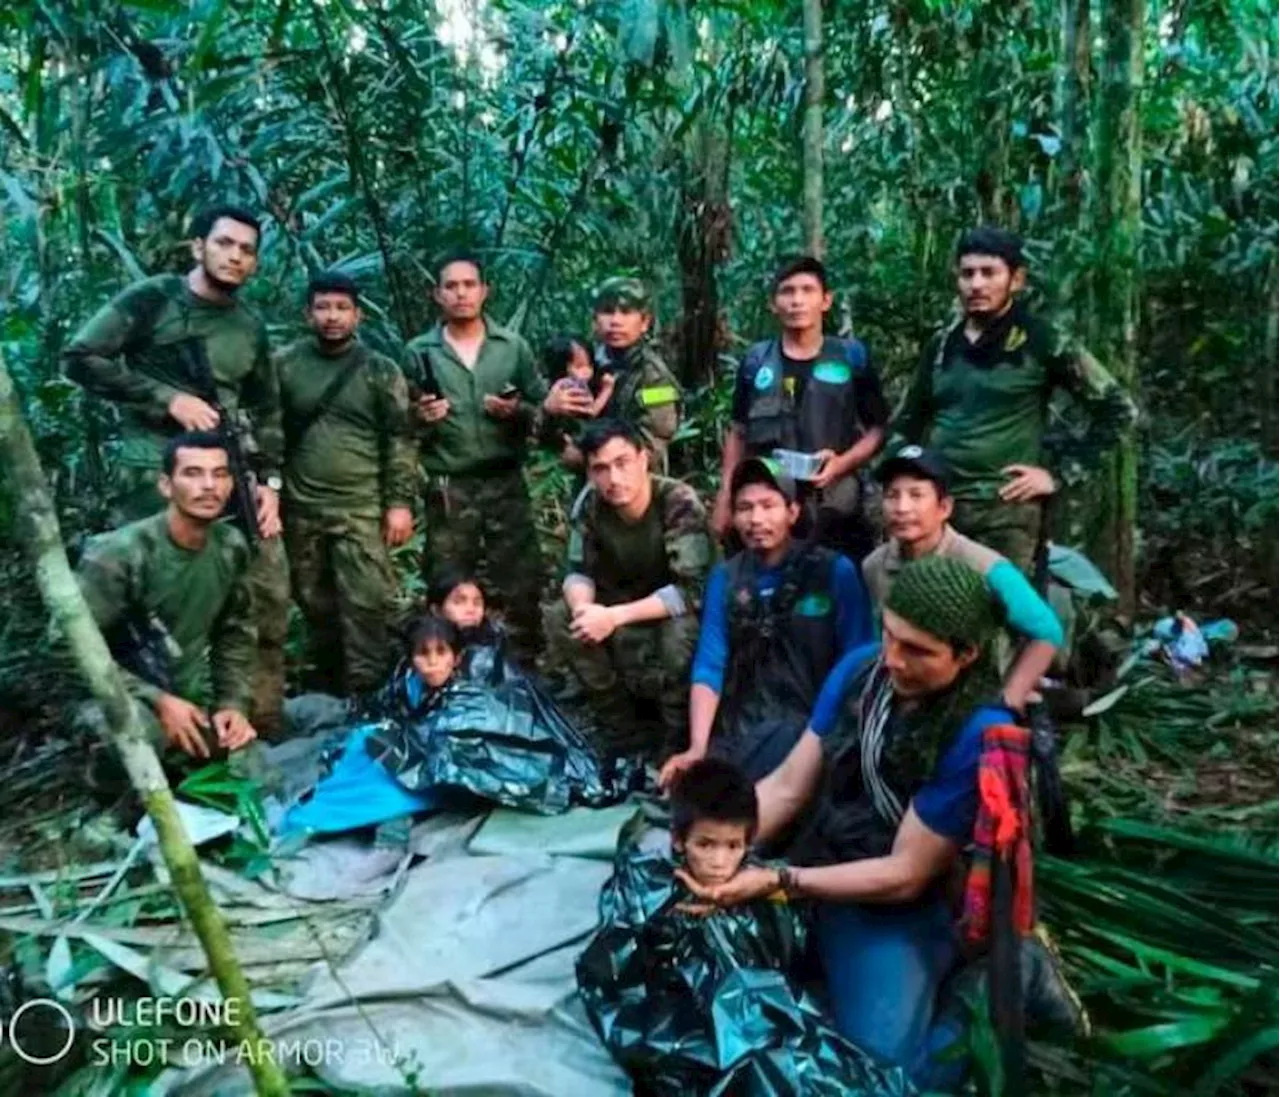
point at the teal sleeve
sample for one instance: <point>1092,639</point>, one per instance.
<point>1025,611</point>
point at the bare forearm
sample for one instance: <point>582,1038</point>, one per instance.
<point>650,608</point>
<point>876,880</point>
<point>734,449</point>
<point>863,449</point>
<point>578,591</point>
<point>703,703</point>
<point>1026,672</point>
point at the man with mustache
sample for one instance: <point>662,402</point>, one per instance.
<point>171,594</point>
<point>639,552</point>
<point>980,401</point>
<point>814,393</point>
<point>129,353</point>
<point>349,483</point>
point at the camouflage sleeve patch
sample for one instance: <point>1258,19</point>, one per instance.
<point>1108,410</point>
<point>689,547</point>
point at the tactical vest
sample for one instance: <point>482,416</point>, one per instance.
<point>780,651</point>
<point>827,417</point>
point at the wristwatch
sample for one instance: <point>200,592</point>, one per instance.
<point>274,483</point>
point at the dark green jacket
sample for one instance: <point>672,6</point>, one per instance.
<point>125,353</point>
<point>358,457</point>
<point>468,441</point>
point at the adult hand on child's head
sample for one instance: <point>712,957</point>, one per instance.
<point>676,765</point>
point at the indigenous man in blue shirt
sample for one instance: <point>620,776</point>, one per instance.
<point>776,618</point>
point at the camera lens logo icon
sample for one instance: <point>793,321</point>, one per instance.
<point>41,1031</point>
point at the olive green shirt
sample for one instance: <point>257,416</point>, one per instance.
<point>357,458</point>
<point>201,598</point>
<point>469,441</point>
<point>127,353</point>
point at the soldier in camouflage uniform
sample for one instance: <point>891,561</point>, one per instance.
<point>639,553</point>
<point>477,391</point>
<point>171,594</point>
<point>129,353</point>
<point>349,481</point>
<point>646,393</point>
<point>980,400</point>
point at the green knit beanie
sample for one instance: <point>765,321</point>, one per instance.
<point>946,598</point>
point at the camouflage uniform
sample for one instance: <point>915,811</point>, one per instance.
<point>354,462</point>
<point>668,553</point>
<point>984,406</point>
<point>125,353</point>
<point>646,393</point>
<point>198,607</point>
<point>478,514</point>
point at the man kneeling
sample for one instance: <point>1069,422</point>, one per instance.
<point>170,596</point>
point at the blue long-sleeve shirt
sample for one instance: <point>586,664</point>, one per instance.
<point>852,608</point>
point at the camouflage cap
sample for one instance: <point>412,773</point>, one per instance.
<point>622,290</point>
<point>763,470</point>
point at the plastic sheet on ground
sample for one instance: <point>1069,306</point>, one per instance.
<point>467,985</point>
<point>713,1005</point>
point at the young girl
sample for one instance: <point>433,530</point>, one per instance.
<point>568,356</point>
<point>457,596</point>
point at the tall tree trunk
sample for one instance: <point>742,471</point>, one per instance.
<point>42,540</point>
<point>814,93</point>
<point>1074,85</point>
<point>1119,159</point>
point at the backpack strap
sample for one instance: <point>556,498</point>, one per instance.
<point>297,428</point>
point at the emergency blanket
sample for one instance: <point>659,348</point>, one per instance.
<point>713,1004</point>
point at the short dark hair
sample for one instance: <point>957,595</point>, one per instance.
<point>558,353</point>
<point>446,579</point>
<point>460,256</point>
<point>434,627</point>
<point>202,223</point>
<point>190,439</point>
<point>713,788</point>
<point>792,265</point>
<point>332,281</point>
<point>992,240</point>
<point>595,437</point>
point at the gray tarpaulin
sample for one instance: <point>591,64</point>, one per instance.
<point>467,985</point>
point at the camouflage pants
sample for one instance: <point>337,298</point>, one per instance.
<point>268,579</point>
<point>647,662</point>
<point>344,583</point>
<point>484,524</point>
<point>1011,529</point>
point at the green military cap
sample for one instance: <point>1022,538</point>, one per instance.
<point>622,290</point>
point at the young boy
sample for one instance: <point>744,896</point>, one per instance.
<point>713,820</point>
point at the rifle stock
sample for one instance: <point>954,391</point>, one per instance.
<point>242,508</point>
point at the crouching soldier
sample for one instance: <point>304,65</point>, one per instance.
<point>172,597</point>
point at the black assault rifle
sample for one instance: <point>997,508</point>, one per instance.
<point>242,507</point>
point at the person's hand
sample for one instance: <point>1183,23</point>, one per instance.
<point>593,623</point>
<point>183,724</point>
<point>431,409</point>
<point>268,512</point>
<point>567,399</point>
<point>831,469</point>
<point>1025,483</point>
<point>192,412</point>
<point>397,526</point>
<point>502,407</point>
<point>233,728</point>
<point>571,455</point>
<point>722,515</point>
<point>747,884</point>
<point>677,764</point>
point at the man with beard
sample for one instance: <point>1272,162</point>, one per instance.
<point>478,390</point>
<point>349,483</point>
<point>812,393</point>
<point>776,618</point>
<point>646,393</point>
<point>980,400</point>
<point>639,552</point>
<point>131,353</point>
<point>170,592</point>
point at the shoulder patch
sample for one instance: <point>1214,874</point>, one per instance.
<point>817,604</point>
